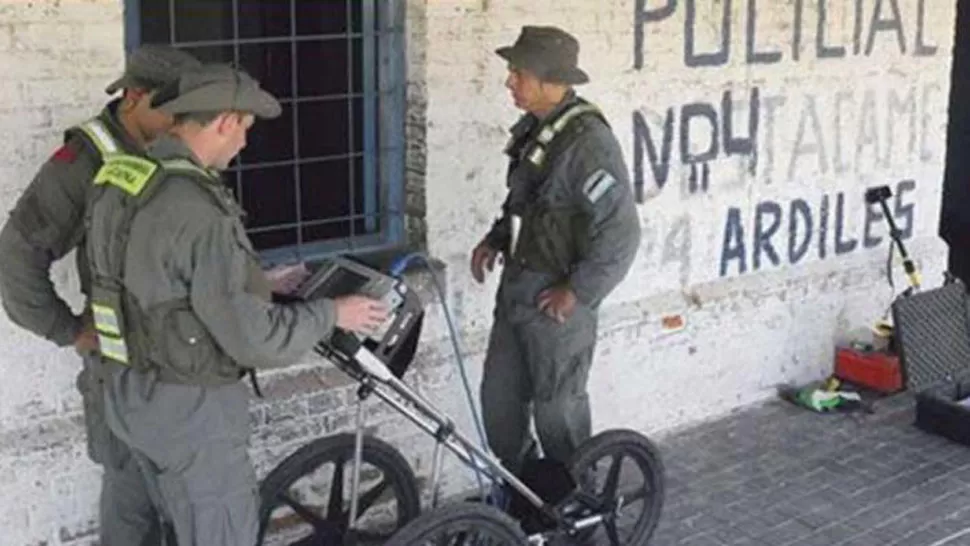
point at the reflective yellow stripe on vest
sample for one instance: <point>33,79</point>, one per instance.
<point>128,172</point>
<point>100,136</point>
<point>113,348</point>
<point>106,324</point>
<point>105,319</point>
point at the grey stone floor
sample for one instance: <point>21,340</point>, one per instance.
<point>779,475</point>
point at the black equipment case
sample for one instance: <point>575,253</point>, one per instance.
<point>932,330</point>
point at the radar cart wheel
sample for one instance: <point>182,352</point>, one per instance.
<point>622,472</point>
<point>316,511</point>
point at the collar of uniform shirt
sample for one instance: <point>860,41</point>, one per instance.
<point>169,146</point>
<point>567,99</point>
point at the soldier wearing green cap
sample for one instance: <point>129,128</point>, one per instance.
<point>45,225</point>
<point>569,232</point>
<point>183,311</point>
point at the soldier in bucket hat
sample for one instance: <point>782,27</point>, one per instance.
<point>548,53</point>
<point>568,233</point>
<point>198,313</point>
<point>45,225</point>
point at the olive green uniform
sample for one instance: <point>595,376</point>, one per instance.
<point>195,313</point>
<point>568,186</point>
<point>46,224</point>
<point>43,227</point>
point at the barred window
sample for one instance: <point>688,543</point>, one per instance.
<point>327,176</point>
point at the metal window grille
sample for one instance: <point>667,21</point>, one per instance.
<point>328,175</point>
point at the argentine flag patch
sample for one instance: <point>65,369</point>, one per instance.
<point>597,185</point>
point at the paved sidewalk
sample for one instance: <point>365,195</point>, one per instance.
<point>779,475</point>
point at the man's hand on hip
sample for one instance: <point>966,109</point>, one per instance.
<point>558,303</point>
<point>86,341</point>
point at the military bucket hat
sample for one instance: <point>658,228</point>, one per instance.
<point>549,52</point>
<point>153,66</point>
<point>217,88</point>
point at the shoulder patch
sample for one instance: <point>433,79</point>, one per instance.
<point>64,154</point>
<point>129,173</point>
<point>598,184</point>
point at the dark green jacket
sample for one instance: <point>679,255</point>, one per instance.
<point>47,223</point>
<point>197,296</point>
<point>580,225</point>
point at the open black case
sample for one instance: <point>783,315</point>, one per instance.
<point>932,330</point>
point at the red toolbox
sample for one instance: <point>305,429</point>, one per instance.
<point>876,370</point>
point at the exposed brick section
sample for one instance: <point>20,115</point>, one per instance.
<point>416,127</point>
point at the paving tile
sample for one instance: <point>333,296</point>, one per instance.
<point>702,540</point>
<point>952,531</point>
<point>789,531</point>
<point>838,532</point>
<point>729,534</point>
<point>781,476</point>
<point>827,516</point>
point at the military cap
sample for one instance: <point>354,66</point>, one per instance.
<point>216,88</point>
<point>549,52</point>
<point>153,66</point>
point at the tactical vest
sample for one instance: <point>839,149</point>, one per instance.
<point>96,134</point>
<point>98,137</point>
<point>168,338</point>
<point>553,235</point>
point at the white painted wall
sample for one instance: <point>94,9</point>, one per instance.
<point>827,129</point>
<point>56,58</point>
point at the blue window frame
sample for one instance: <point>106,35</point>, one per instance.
<point>328,175</point>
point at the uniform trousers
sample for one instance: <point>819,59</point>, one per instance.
<point>128,514</point>
<point>191,443</point>
<point>536,369</point>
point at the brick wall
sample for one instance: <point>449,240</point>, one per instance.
<point>731,191</point>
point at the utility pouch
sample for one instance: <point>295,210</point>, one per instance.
<point>553,238</point>
<point>184,349</point>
